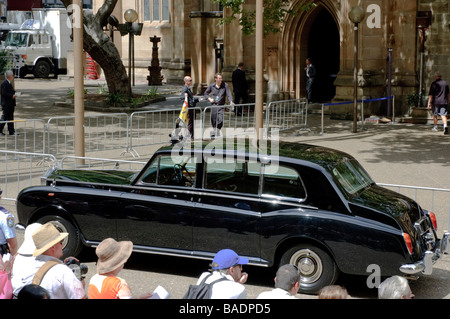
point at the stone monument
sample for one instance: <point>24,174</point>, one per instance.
<point>155,77</point>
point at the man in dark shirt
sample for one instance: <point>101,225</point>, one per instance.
<point>310,70</point>
<point>240,88</point>
<point>217,93</point>
<point>438,101</point>
<point>8,101</point>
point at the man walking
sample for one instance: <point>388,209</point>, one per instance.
<point>192,102</point>
<point>438,101</point>
<point>8,101</point>
<point>217,93</point>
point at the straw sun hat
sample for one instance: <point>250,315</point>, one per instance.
<point>112,254</point>
<point>45,237</point>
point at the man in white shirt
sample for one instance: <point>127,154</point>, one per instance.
<point>228,265</point>
<point>59,280</point>
<point>287,282</point>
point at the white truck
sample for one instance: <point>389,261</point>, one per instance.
<point>40,45</point>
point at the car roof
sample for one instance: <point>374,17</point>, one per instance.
<point>322,156</point>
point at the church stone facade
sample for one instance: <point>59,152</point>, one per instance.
<point>193,42</point>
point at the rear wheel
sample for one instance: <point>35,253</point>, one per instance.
<point>317,268</point>
<point>72,244</point>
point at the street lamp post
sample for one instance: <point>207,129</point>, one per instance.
<point>356,15</point>
<point>131,28</point>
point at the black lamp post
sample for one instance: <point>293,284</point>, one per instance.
<point>131,28</point>
<point>356,15</point>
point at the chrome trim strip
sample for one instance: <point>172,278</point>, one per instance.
<point>179,253</point>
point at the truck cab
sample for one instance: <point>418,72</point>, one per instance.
<point>41,44</point>
<point>32,51</point>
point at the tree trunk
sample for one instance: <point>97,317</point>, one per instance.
<point>100,47</point>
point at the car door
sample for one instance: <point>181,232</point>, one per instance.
<point>227,209</point>
<point>158,212</point>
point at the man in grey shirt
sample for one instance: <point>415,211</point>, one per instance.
<point>217,93</point>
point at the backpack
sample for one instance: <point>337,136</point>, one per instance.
<point>202,290</point>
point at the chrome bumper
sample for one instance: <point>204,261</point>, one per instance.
<point>425,266</point>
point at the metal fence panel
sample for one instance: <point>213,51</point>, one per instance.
<point>154,127</point>
<point>30,136</point>
<point>102,132</point>
<point>22,169</point>
<point>284,115</point>
<point>232,124</point>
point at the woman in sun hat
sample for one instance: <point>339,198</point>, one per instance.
<point>112,256</point>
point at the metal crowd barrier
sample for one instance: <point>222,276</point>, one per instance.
<point>102,132</point>
<point>284,115</point>
<point>30,138</point>
<point>119,131</point>
<point>153,127</point>
<point>361,108</point>
<point>22,169</point>
<point>232,125</point>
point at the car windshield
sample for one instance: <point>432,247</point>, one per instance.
<point>16,39</point>
<point>352,176</point>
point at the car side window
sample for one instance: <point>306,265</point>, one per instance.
<point>171,170</point>
<point>282,181</point>
<point>232,175</point>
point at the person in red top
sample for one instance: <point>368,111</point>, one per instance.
<point>112,256</point>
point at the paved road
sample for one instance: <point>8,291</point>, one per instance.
<point>408,154</point>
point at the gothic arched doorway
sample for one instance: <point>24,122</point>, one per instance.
<point>323,49</point>
<point>314,34</point>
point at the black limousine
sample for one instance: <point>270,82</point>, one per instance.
<point>278,203</point>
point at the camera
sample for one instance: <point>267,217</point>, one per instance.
<point>80,270</point>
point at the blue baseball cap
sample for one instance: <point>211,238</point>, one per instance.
<point>227,258</point>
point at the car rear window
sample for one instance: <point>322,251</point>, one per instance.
<point>282,181</point>
<point>237,176</point>
<point>233,176</point>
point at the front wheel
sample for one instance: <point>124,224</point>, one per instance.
<point>42,69</point>
<point>317,268</point>
<point>71,244</point>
